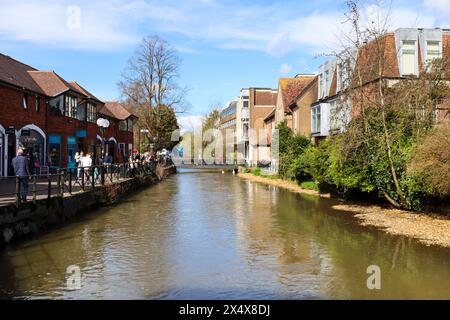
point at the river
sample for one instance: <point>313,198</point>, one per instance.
<point>204,235</point>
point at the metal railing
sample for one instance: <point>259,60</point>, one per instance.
<point>17,190</point>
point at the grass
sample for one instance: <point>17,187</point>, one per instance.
<point>309,185</point>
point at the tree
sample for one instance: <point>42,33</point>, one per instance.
<point>210,124</point>
<point>430,163</point>
<point>164,123</point>
<point>149,79</point>
<point>387,116</point>
<point>150,88</point>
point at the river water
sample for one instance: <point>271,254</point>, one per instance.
<point>203,235</point>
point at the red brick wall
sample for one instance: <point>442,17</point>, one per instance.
<point>12,112</point>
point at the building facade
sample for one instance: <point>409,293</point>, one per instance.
<point>406,53</point>
<point>52,119</point>
<point>261,102</point>
<point>228,131</point>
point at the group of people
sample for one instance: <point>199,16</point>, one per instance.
<point>26,165</point>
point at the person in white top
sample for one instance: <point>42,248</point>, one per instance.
<point>86,161</point>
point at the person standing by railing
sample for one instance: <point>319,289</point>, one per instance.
<point>86,163</point>
<point>22,171</point>
<point>78,160</point>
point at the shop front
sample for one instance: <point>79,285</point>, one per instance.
<point>54,146</point>
<point>33,141</point>
<point>81,143</point>
<point>71,150</point>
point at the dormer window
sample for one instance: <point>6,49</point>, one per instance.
<point>409,57</point>
<point>433,52</point>
<point>71,106</point>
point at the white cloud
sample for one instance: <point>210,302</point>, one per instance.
<point>442,7</point>
<point>189,123</point>
<point>275,28</point>
<point>99,27</point>
<point>285,69</point>
<point>278,45</point>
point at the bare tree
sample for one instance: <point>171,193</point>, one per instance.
<point>150,77</point>
<point>149,86</point>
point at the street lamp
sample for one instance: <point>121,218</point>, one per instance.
<point>145,132</point>
<point>103,124</point>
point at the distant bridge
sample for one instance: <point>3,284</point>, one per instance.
<point>218,167</point>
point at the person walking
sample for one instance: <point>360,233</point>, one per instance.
<point>22,171</point>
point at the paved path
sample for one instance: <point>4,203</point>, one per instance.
<point>8,188</point>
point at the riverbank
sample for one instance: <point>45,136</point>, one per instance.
<point>427,228</point>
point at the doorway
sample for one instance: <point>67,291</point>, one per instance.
<point>11,153</point>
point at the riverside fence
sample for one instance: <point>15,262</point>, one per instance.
<point>69,181</point>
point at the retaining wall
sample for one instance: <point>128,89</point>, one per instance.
<point>32,217</point>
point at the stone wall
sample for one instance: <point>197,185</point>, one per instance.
<point>31,218</point>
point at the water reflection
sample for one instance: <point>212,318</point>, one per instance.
<point>213,236</point>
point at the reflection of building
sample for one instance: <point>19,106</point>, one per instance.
<point>53,119</point>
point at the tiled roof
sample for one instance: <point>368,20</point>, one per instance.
<point>115,110</point>
<point>368,59</point>
<point>293,104</point>
<point>292,87</point>
<point>84,91</point>
<point>16,73</point>
<point>52,84</point>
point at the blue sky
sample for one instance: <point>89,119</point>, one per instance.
<point>224,44</point>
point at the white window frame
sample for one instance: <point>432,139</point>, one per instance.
<point>437,54</point>
<point>316,119</point>
<point>407,51</point>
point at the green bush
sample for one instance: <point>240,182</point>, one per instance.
<point>309,185</point>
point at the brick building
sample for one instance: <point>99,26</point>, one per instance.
<point>262,101</point>
<point>406,54</point>
<point>23,109</point>
<point>53,118</point>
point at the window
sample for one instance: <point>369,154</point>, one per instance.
<point>91,112</point>
<point>25,101</point>
<point>123,125</point>
<point>130,125</point>
<point>57,106</point>
<point>335,123</point>
<point>316,119</point>
<point>433,52</point>
<point>81,112</point>
<point>409,57</point>
<point>325,84</point>
<point>71,106</point>
<point>320,86</point>
<point>122,149</point>
<point>38,101</point>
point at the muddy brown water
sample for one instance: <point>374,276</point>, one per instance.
<point>204,235</point>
